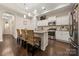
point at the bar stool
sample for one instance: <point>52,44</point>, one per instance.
<point>32,41</point>
<point>18,36</point>
<point>24,38</point>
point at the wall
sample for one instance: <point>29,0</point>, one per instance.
<point>18,24</point>
<point>1,29</point>
<point>1,38</point>
<point>34,22</point>
<point>13,24</point>
<point>8,28</point>
<point>21,23</point>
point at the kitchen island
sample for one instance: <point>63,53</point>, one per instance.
<point>44,38</point>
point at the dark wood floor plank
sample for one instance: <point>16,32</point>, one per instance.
<point>9,47</point>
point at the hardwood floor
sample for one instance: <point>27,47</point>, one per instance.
<point>9,47</point>
<point>55,48</point>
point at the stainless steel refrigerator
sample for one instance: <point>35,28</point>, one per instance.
<point>74,29</point>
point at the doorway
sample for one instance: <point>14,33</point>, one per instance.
<point>7,28</point>
<point>8,23</point>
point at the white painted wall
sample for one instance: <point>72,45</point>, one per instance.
<point>14,25</point>
<point>21,23</point>
<point>1,29</point>
<point>18,24</point>
<point>8,28</point>
<point>1,38</point>
<point>34,23</point>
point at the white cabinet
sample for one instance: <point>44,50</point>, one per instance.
<point>62,36</point>
<point>46,21</point>
<point>62,20</point>
<point>58,35</point>
<point>42,23</point>
<point>65,20</point>
<point>65,36</point>
<point>58,21</point>
<point>1,38</point>
<point>51,19</point>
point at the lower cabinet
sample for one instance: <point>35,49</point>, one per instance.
<point>62,36</point>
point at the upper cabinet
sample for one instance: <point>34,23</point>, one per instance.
<point>42,23</point>
<point>62,20</point>
<point>65,20</point>
<point>58,21</point>
<point>46,21</point>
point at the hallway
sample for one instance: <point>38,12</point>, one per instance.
<point>9,47</point>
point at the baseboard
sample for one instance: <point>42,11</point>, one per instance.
<point>9,35</point>
<point>63,41</point>
<point>13,37</point>
<point>1,40</point>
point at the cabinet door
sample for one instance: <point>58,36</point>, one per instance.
<point>58,21</point>
<point>62,36</point>
<point>65,36</point>
<point>58,35</point>
<point>42,23</point>
<point>65,20</point>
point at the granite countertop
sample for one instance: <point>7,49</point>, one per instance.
<point>40,31</point>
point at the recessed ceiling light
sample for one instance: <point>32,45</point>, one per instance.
<point>29,14</point>
<point>24,16</point>
<point>26,8</point>
<point>35,11</point>
<point>43,8</point>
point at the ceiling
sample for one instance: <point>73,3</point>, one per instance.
<point>30,8</point>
